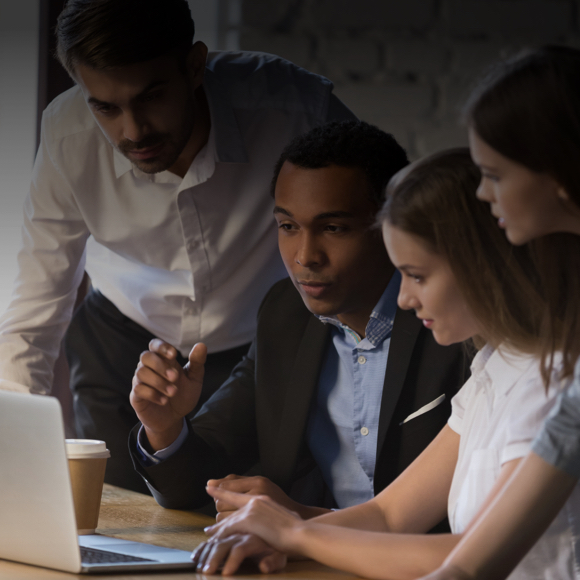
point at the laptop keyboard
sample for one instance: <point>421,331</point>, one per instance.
<point>94,556</point>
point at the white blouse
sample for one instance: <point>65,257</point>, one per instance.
<point>497,413</point>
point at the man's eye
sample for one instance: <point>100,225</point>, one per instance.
<point>104,109</point>
<point>285,227</point>
<point>335,229</point>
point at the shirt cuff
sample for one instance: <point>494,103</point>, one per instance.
<point>455,423</point>
<point>515,451</point>
<point>147,459</point>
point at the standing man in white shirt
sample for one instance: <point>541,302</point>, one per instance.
<point>153,176</point>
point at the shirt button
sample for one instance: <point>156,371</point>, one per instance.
<point>362,360</point>
<point>364,431</point>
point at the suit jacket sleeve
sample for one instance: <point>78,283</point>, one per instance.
<point>221,440</point>
<point>243,422</point>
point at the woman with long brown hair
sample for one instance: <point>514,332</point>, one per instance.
<point>466,283</point>
<point>524,125</point>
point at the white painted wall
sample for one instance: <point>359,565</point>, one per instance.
<point>18,90</point>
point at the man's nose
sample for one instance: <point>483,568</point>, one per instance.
<point>309,253</point>
<point>134,127</point>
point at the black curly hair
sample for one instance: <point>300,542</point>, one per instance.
<point>347,144</point>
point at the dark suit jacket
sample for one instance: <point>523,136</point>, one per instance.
<point>260,414</point>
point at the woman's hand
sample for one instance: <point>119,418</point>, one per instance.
<point>229,553</point>
<point>258,515</point>
<point>258,485</point>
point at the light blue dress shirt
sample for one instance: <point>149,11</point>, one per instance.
<point>342,431</point>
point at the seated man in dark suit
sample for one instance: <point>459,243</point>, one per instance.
<point>340,390</point>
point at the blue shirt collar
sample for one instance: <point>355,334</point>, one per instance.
<point>380,324</point>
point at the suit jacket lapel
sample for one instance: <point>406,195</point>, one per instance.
<point>301,386</point>
<point>405,331</point>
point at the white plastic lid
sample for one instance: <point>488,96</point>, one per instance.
<point>81,448</point>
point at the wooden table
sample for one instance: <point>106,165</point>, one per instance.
<point>134,516</point>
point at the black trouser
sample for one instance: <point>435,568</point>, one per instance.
<point>103,348</point>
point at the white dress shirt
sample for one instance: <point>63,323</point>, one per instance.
<point>497,413</point>
<point>188,259</point>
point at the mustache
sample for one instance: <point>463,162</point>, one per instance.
<point>126,146</point>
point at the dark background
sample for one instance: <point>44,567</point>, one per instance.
<point>404,65</point>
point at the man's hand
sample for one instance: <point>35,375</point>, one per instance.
<point>164,392</point>
<point>258,486</point>
<point>230,552</point>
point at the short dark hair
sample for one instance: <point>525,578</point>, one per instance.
<point>106,34</point>
<point>347,144</point>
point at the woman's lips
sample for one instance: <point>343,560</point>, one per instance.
<point>427,323</point>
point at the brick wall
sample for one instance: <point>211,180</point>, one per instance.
<point>405,65</point>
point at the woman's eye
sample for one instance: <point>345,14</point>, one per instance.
<point>490,176</point>
<point>415,277</point>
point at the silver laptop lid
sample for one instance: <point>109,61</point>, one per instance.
<point>37,519</point>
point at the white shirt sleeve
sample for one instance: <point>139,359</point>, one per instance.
<point>458,406</point>
<point>531,406</point>
<point>51,265</point>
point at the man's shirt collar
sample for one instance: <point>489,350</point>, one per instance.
<point>380,324</point>
<point>227,144</point>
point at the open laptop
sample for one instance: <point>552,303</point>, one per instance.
<point>37,518</point>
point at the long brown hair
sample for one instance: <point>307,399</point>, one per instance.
<point>528,109</point>
<point>434,199</point>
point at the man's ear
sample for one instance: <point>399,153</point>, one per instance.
<point>195,63</point>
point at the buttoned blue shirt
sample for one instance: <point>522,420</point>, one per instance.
<point>342,430</point>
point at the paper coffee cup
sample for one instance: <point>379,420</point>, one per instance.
<point>87,459</point>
